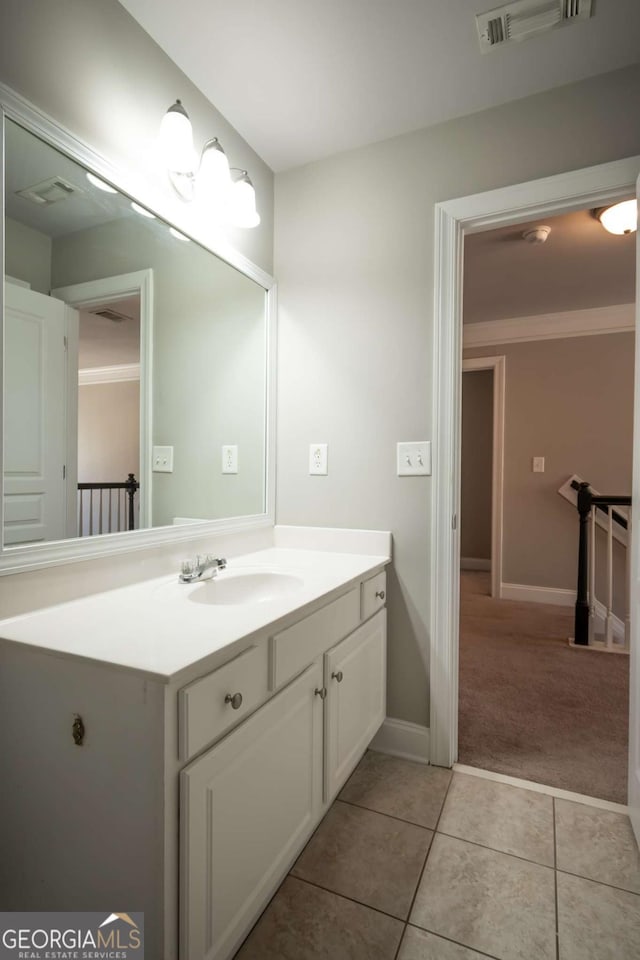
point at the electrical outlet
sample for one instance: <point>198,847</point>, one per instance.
<point>230,458</point>
<point>414,459</point>
<point>318,459</point>
<point>162,458</point>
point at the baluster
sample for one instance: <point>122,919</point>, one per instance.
<point>101,517</point>
<point>608,626</point>
<point>91,513</point>
<point>627,585</point>
<point>80,517</point>
<point>110,512</point>
<point>592,575</point>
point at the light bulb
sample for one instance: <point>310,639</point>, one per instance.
<point>176,140</point>
<point>621,218</point>
<point>241,210</point>
<point>213,180</point>
<point>179,236</point>
<point>142,210</point>
<point>100,184</point>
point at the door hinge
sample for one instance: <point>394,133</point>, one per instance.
<point>454,522</point>
<point>64,471</point>
<point>66,343</point>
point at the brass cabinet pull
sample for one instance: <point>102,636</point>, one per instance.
<point>380,593</point>
<point>320,692</point>
<point>234,699</point>
<point>339,676</point>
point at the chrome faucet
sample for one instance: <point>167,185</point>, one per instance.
<point>192,570</point>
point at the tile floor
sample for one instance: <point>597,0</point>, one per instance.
<point>416,863</point>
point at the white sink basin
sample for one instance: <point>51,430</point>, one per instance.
<point>239,588</point>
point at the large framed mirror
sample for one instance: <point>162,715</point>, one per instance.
<point>138,382</point>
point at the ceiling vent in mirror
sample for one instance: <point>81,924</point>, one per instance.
<point>526,18</point>
<point>48,191</point>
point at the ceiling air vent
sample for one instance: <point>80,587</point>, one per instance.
<point>114,315</point>
<point>48,191</point>
<point>525,18</point>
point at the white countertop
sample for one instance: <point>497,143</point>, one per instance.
<point>155,629</point>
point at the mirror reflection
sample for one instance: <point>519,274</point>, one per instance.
<point>135,362</point>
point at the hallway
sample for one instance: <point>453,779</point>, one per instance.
<point>531,706</point>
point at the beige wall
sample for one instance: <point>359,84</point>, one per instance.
<point>28,255</point>
<point>571,402</point>
<point>354,260</point>
<point>476,464</point>
<point>108,431</point>
<point>91,66</point>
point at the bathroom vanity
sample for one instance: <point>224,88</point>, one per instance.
<point>169,748</point>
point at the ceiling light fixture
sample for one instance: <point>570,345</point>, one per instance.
<point>142,210</point>
<point>620,218</point>
<point>207,179</point>
<point>179,236</point>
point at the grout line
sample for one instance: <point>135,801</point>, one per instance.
<point>345,896</point>
<point>555,879</point>
<point>541,788</point>
<point>391,816</point>
<point>505,853</point>
<point>601,883</point>
<point>441,936</point>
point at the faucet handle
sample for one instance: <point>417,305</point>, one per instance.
<point>186,568</point>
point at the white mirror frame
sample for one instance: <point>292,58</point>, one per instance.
<point>19,559</point>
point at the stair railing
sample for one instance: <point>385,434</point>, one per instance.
<point>588,608</point>
<point>107,507</point>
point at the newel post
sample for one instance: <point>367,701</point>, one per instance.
<point>581,628</point>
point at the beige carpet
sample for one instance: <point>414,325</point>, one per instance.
<point>533,707</point>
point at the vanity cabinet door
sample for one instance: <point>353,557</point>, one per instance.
<point>355,707</point>
<point>247,807</point>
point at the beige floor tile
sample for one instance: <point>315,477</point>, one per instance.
<point>420,945</point>
<point>488,901</point>
<point>303,922</point>
<point>367,856</point>
<point>597,844</point>
<point>400,788</point>
<point>596,922</point>
<point>500,816</point>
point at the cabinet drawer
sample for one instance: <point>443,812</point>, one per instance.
<point>297,646</point>
<point>202,711</point>
<point>373,595</point>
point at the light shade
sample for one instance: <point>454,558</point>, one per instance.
<point>621,218</point>
<point>176,140</point>
<point>213,179</point>
<point>241,209</point>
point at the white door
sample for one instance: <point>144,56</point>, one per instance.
<point>356,682</point>
<point>35,417</point>
<point>634,679</point>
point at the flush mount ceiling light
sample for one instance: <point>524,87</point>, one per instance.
<point>620,218</point>
<point>142,210</point>
<point>100,184</point>
<point>207,180</point>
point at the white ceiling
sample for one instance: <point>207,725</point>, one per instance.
<point>580,266</point>
<point>303,79</point>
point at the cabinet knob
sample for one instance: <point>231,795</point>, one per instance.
<point>320,692</point>
<point>337,676</point>
<point>234,699</point>
<point>380,593</point>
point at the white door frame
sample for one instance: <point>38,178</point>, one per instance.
<point>576,190</point>
<point>497,365</point>
<point>109,290</point>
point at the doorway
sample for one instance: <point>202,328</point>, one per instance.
<point>512,205</point>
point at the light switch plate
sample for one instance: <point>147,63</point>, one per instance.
<point>230,458</point>
<point>318,464</point>
<point>414,458</point>
<point>162,459</point>
<point>537,465</point>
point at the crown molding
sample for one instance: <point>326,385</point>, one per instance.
<point>619,318</point>
<point>113,374</point>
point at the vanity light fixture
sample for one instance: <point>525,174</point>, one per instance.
<point>620,218</point>
<point>179,236</point>
<point>142,210</point>
<point>209,179</point>
<point>100,184</point>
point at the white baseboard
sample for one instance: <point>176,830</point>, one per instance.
<point>560,597</point>
<point>402,739</point>
<point>474,563</point>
